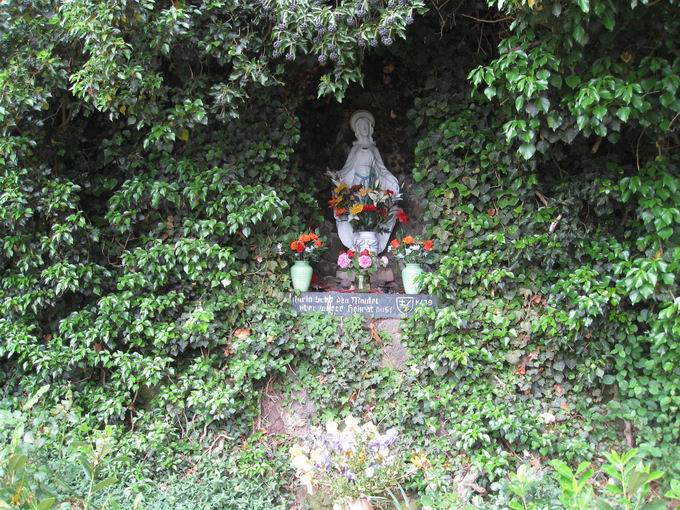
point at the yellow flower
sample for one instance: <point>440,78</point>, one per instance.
<point>302,463</point>
<point>363,192</point>
<point>340,187</point>
<point>356,209</point>
<point>420,461</point>
<point>296,450</point>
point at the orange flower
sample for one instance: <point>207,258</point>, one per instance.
<point>394,243</point>
<point>313,236</point>
<point>427,245</point>
<point>408,240</point>
<point>294,245</point>
<point>318,243</point>
<point>304,238</point>
<point>340,211</point>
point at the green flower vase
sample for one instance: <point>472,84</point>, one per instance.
<point>301,275</point>
<point>408,277</point>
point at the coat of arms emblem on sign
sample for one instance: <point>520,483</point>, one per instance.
<point>405,305</point>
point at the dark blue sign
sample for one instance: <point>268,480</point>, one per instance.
<point>379,306</point>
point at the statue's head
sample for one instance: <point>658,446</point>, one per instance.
<point>362,123</point>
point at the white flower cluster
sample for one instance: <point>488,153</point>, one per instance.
<point>409,250</point>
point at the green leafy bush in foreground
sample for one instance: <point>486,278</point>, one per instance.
<point>45,464</point>
<point>26,479</point>
<point>622,482</point>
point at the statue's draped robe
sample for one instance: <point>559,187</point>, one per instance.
<point>386,180</point>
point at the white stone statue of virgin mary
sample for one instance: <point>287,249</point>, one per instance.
<point>363,159</point>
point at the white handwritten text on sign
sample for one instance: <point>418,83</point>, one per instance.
<point>372,305</point>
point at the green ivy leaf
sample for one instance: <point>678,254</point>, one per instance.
<point>623,113</point>
<point>573,80</point>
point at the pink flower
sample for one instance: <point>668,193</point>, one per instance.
<point>365,261</point>
<point>344,261</point>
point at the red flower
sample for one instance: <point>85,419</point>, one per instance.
<point>365,252</point>
<point>427,245</point>
<point>300,247</point>
<point>402,217</point>
<point>370,207</point>
<point>350,253</point>
<point>394,243</point>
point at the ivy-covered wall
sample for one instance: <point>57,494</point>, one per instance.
<point>152,157</point>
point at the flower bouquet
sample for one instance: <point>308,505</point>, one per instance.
<point>362,264</point>
<point>353,465</point>
<point>303,249</point>
<point>307,246</point>
<point>368,209</point>
<point>413,252</point>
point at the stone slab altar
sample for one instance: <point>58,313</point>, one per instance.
<point>378,306</point>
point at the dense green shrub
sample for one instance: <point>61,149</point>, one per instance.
<point>563,266</point>
<point>150,163</point>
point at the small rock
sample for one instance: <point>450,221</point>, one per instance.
<point>383,276</point>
